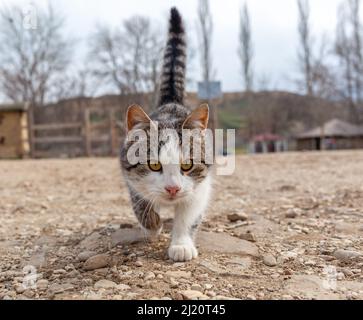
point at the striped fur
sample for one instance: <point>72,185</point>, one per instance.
<point>147,188</point>
<point>173,73</point>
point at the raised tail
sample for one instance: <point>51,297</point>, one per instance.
<point>174,67</point>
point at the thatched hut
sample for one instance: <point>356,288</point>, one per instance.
<point>333,135</point>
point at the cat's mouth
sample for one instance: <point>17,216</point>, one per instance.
<point>173,199</point>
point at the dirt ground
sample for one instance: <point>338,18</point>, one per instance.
<point>285,226</point>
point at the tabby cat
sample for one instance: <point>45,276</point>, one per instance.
<point>180,184</point>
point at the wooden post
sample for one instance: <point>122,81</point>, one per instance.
<point>87,133</point>
<point>30,113</point>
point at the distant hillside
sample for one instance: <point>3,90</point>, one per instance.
<point>276,112</point>
<point>251,113</point>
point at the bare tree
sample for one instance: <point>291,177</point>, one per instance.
<point>323,75</point>
<point>245,51</point>
<point>31,59</point>
<point>344,49</point>
<point>74,84</point>
<point>305,50</point>
<point>354,11</point>
<point>205,27</point>
<point>128,58</point>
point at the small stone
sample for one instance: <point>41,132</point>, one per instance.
<point>19,289</point>
<point>340,276</point>
<point>224,298</point>
<point>96,262</point>
<point>103,272</point>
<point>149,276</point>
<point>123,287</point>
<point>59,271</point>
<point>310,263</point>
<point>105,284</point>
<point>248,237</point>
<point>42,285</point>
<point>179,274</point>
<point>356,271</point>
<point>291,214</point>
<point>138,263</point>
<point>251,297</point>
<point>269,260</point>
<point>347,272</point>
<point>85,255</point>
<point>174,284</point>
<point>305,230</point>
<point>126,236</point>
<point>345,255</point>
<point>60,288</point>
<point>29,293</point>
<point>193,295</point>
<point>208,286</point>
<point>211,294</point>
<point>226,244</point>
<point>178,265</point>
<point>237,217</point>
<point>196,287</point>
<point>93,296</point>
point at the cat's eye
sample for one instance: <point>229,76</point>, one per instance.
<point>186,166</point>
<point>155,166</point>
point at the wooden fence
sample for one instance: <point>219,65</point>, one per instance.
<point>76,139</point>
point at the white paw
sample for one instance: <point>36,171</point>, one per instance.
<point>183,252</point>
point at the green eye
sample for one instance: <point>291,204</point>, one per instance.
<point>186,166</point>
<point>155,166</point>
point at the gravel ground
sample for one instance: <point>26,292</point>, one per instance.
<point>285,226</point>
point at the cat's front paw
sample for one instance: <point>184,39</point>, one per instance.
<point>182,252</point>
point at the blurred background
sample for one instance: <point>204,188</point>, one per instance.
<point>286,74</point>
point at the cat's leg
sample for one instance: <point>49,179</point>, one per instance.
<point>146,214</point>
<point>188,217</point>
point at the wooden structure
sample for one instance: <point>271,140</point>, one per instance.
<point>91,135</point>
<point>333,135</point>
<point>268,143</point>
<point>14,142</point>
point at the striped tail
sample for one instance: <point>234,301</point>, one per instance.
<point>173,73</point>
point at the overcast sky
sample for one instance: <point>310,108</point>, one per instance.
<point>274,25</point>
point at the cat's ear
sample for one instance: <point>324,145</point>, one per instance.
<point>136,115</point>
<point>198,119</point>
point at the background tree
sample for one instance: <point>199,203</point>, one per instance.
<point>305,47</point>
<point>354,11</point>
<point>323,75</point>
<point>344,49</point>
<point>32,59</point>
<point>205,28</point>
<point>128,58</point>
<point>245,51</point>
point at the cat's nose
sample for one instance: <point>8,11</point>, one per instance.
<point>172,190</point>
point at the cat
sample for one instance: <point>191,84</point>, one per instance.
<point>184,186</point>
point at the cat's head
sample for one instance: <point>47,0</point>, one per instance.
<point>172,178</point>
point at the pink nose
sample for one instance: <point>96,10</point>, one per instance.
<point>172,190</point>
